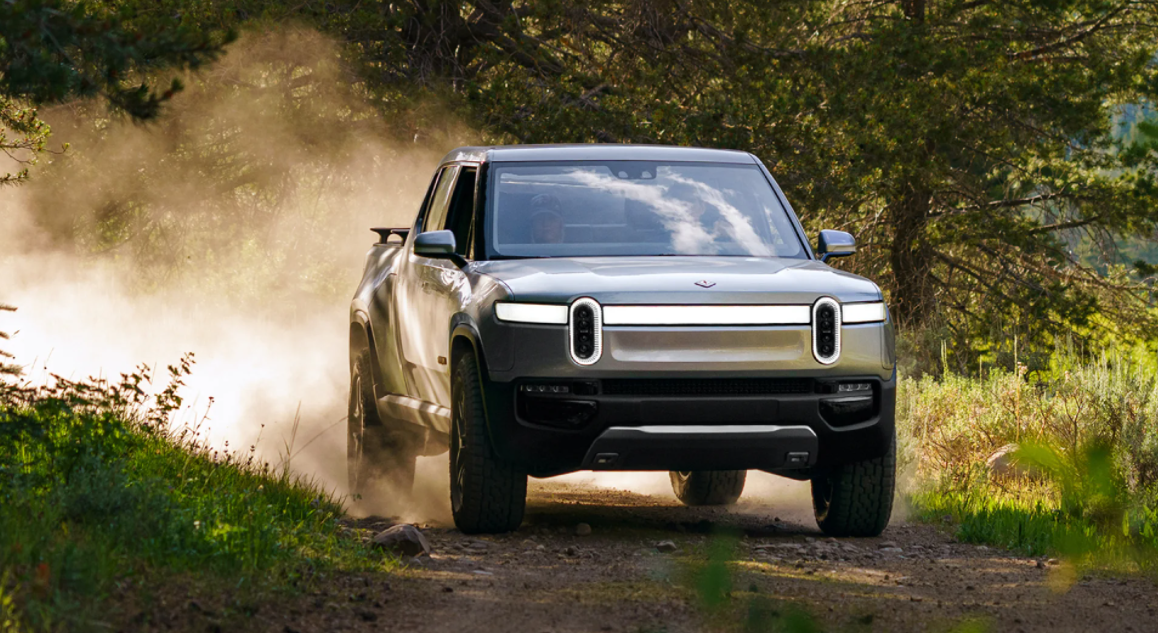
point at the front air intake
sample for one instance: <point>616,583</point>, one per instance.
<point>586,331</point>
<point>826,330</point>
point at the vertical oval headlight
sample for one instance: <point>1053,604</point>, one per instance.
<point>826,330</point>
<point>585,330</point>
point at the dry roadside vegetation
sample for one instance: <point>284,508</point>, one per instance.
<point>1063,462</point>
<point>995,161</point>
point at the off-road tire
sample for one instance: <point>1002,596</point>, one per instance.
<point>856,499</point>
<point>487,494</point>
<point>379,460</point>
<point>708,487</point>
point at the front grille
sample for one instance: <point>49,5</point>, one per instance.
<point>707,387</point>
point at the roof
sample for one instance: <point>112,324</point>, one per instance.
<point>604,151</point>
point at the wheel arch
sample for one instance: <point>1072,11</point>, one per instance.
<point>464,337</point>
<point>362,338</point>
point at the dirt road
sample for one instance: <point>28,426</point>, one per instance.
<point>546,578</point>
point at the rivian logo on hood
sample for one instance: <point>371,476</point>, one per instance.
<point>705,283</point>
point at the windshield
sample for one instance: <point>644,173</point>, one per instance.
<point>584,209</point>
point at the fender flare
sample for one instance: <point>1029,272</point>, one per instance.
<point>464,332</point>
<point>462,327</point>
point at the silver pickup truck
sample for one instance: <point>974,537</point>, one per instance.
<point>618,307</point>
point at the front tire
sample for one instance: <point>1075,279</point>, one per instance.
<point>708,487</point>
<point>856,499</point>
<point>487,494</point>
<point>379,460</point>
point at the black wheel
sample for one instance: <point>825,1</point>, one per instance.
<point>708,487</point>
<point>856,499</point>
<point>487,495</point>
<point>379,460</point>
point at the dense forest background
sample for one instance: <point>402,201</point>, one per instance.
<point>995,160</point>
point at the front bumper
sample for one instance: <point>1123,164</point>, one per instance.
<point>645,428</point>
<point>763,377</point>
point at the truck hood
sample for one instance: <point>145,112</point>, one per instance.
<point>677,280</point>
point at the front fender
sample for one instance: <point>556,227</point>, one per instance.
<point>465,337</point>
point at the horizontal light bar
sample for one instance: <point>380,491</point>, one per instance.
<point>531,313</point>
<point>706,315</point>
<point>863,312</point>
<point>689,315</point>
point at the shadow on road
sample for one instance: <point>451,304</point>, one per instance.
<point>556,505</point>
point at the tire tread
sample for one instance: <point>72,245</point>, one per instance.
<point>495,497</point>
<point>862,496</point>
<point>388,458</point>
<point>710,487</point>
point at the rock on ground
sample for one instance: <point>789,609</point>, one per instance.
<point>402,540</point>
<point>1002,463</point>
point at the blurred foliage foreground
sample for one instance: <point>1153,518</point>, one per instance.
<point>1063,462</point>
<point>99,500</point>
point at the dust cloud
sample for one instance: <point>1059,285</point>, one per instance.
<point>764,493</point>
<point>234,228</point>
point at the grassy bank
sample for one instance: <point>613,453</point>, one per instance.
<point>100,502</point>
<point>1081,475</point>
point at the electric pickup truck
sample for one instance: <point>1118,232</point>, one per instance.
<point>561,308</point>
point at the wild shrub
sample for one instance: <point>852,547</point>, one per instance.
<point>951,426</point>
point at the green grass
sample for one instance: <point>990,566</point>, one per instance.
<point>1031,529</point>
<point>1040,529</point>
<point>97,494</point>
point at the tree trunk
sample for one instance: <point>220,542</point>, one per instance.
<point>914,10</point>
<point>911,258</point>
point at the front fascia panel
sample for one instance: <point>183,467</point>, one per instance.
<point>655,352</point>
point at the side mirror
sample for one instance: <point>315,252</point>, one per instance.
<point>835,244</point>
<point>436,244</point>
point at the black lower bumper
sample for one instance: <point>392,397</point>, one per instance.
<point>731,447</point>
<point>768,424</point>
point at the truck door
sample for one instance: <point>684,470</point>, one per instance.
<point>449,287</point>
<point>417,300</point>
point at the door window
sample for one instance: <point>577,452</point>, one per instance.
<point>461,214</point>
<point>441,199</point>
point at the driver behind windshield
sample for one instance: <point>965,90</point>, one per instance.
<point>546,223</point>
